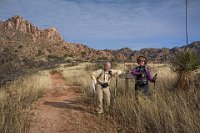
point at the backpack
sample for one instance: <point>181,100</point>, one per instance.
<point>141,79</point>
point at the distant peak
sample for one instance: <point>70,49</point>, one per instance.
<point>125,50</point>
<point>16,17</point>
<point>18,23</point>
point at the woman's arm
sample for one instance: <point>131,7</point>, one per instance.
<point>149,77</point>
<point>134,72</point>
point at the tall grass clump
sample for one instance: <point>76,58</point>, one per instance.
<point>81,77</point>
<point>167,112</point>
<point>16,99</point>
<point>184,62</point>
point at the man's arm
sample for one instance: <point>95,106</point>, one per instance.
<point>95,74</point>
<point>117,72</point>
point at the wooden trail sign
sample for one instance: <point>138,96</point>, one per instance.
<point>126,76</point>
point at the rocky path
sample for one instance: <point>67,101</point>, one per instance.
<point>63,110</point>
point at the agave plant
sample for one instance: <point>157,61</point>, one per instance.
<point>184,62</point>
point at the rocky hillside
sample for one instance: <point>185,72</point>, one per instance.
<point>26,40</point>
<point>23,45</point>
<point>21,38</point>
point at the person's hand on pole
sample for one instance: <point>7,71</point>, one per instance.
<point>155,76</point>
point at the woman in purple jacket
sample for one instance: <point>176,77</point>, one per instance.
<point>142,75</point>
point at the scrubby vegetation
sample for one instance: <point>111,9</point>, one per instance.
<point>16,99</point>
<point>167,110</point>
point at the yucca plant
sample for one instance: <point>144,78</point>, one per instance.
<point>184,62</point>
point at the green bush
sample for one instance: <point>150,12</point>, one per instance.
<point>184,62</point>
<point>54,57</point>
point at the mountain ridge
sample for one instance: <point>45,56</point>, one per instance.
<point>24,47</point>
<point>48,42</point>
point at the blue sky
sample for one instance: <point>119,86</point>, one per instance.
<point>112,24</point>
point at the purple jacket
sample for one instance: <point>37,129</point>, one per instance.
<point>149,77</point>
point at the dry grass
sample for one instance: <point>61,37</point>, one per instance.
<point>79,76</point>
<point>16,99</point>
<point>167,111</point>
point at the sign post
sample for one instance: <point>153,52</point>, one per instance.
<point>126,76</point>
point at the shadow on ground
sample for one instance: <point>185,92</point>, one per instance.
<point>77,105</point>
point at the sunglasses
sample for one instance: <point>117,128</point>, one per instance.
<point>141,60</point>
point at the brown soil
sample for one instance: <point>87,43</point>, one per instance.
<point>64,110</point>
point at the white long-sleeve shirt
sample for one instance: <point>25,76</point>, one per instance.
<point>104,76</point>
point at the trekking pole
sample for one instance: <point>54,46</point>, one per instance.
<point>155,78</point>
<point>154,88</point>
<point>115,91</point>
<point>93,97</point>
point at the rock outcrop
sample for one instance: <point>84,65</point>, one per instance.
<point>19,24</point>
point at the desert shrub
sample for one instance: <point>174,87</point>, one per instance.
<point>39,52</point>
<point>83,53</point>
<point>20,46</point>
<point>55,58</point>
<point>65,55</point>
<point>71,55</point>
<point>184,62</point>
<point>103,58</point>
<point>114,59</point>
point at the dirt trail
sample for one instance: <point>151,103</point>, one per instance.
<point>62,110</point>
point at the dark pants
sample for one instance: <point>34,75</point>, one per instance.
<point>139,88</point>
